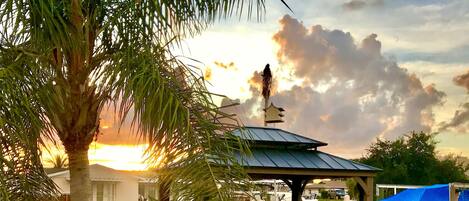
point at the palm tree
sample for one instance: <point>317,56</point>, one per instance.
<point>61,62</point>
<point>58,161</point>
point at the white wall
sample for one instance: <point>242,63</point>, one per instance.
<point>64,185</point>
<point>126,184</point>
<point>127,190</point>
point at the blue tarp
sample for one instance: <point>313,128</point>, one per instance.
<point>464,195</point>
<point>438,192</point>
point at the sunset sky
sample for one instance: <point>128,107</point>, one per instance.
<point>346,72</point>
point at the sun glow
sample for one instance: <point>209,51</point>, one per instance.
<point>120,157</point>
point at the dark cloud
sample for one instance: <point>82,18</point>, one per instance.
<point>354,5</point>
<point>462,80</point>
<point>363,95</point>
<point>360,4</point>
<point>460,120</point>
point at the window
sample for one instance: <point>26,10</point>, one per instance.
<point>100,192</point>
<point>105,191</point>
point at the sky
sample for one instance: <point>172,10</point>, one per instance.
<point>347,72</point>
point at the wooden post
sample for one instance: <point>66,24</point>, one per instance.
<point>366,188</point>
<point>452,192</point>
<point>297,186</point>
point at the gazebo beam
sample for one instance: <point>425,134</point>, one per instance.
<point>286,172</point>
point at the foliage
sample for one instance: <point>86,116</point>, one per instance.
<point>352,187</point>
<point>21,173</point>
<point>61,62</point>
<point>412,160</point>
<point>324,194</point>
<point>58,161</point>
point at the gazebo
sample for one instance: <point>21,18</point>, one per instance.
<point>295,159</point>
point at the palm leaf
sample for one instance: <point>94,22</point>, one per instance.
<point>21,174</point>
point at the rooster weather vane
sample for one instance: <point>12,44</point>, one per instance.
<point>272,114</point>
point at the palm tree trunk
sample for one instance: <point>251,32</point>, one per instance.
<point>80,183</point>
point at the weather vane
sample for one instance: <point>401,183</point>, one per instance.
<point>272,114</point>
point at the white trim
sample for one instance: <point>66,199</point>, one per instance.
<point>395,187</point>
<point>57,173</point>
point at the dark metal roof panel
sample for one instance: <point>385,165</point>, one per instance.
<point>330,161</point>
<point>262,135</point>
<point>302,159</point>
<point>265,134</point>
<point>263,159</point>
<point>277,158</point>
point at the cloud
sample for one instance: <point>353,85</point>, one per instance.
<point>460,119</point>
<point>112,132</point>
<point>351,93</point>
<point>459,122</point>
<point>208,73</point>
<point>227,66</point>
<point>354,5</point>
<point>360,4</point>
<point>462,80</point>
<point>459,54</point>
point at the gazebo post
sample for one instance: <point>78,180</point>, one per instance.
<point>366,188</point>
<point>297,186</point>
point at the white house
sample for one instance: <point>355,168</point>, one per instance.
<point>109,184</point>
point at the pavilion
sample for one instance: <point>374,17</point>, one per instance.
<point>295,159</point>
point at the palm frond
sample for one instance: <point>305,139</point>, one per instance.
<point>21,125</point>
<point>174,113</point>
<point>58,161</point>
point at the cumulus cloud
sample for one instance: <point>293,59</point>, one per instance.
<point>351,94</point>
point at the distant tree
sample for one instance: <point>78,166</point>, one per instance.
<point>58,161</point>
<point>412,159</point>
<point>352,188</point>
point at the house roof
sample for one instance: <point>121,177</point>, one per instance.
<point>299,159</point>
<point>332,184</point>
<point>275,136</point>
<point>54,170</point>
<point>99,173</point>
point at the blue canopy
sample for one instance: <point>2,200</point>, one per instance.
<point>438,192</point>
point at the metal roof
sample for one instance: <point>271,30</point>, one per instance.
<point>298,159</point>
<point>275,135</point>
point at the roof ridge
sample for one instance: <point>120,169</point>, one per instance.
<point>294,135</point>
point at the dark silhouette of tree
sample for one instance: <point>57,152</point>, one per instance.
<point>412,160</point>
